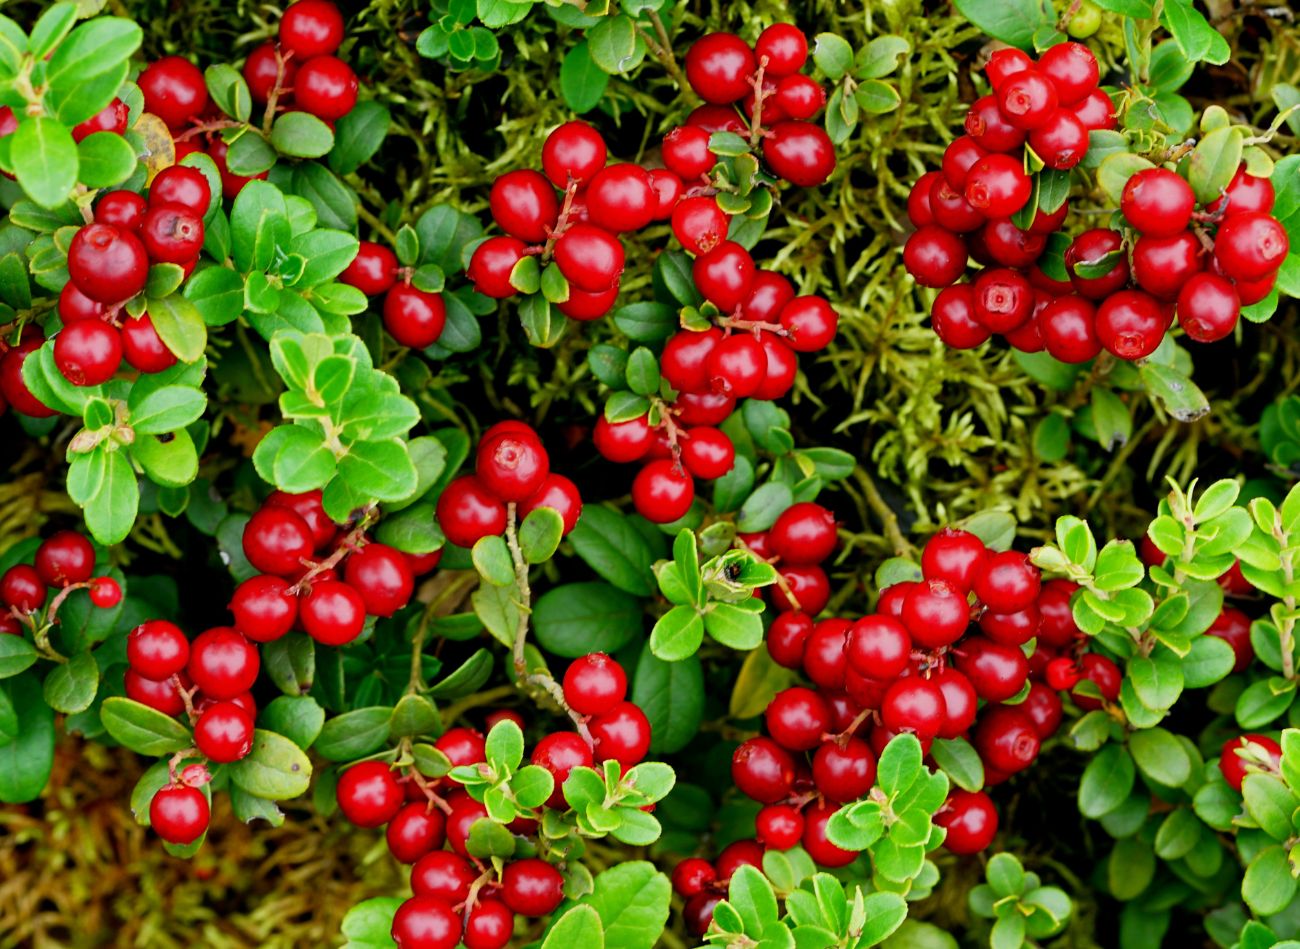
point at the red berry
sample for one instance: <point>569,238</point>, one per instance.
<point>699,224</point>
<point>368,794</point>
<point>1007,244</point>
<point>762,770</point>
<point>970,820</point>
<point>589,257</point>
<point>261,71</point>
<point>415,830</point>
<point>223,663</point>
<point>1162,265</point>
<point>112,118</point>
<point>825,658</point>
<point>724,275</point>
<point>278,541</point>
<point>717,118</point>
<point>263,608</point>
<point>332,612</point>
<point>413,317</point>
<point>326,87</point>
<point>179,814</point>
<point>88,352</point>
<point>953,317</point>
<point>1004,299</point>
<point>105,593</point>
<point>444,875</point>
<point>1245,194</point>
<point>582,305</point>
<point>718,67</point>
<point>685,359</point>
<point>1027,99</point>
<point>703,408</point>
<point>686,152</point>
<point>65,558</point>
<point>698,912</point>
<point>989,128</point>
<point>1096,111</point>
<point>382,577</point>
<point>782,367</point>
<point>1073,70</point>
<point>692,876</point>
<point>181,186</point>
<point>1253,752</point>
<point>1104,674</point>
<point>809,586</point>
<point>621,734</point>
<point>492,263</point>
<point>12,387</point>
<point>844,772</point>
<point>425,922</point>
<point>996,671</point>
<point>511,465</point>
<point>120,209</point>
<point>523,204</point>
<point>997,186</point>
<point>311,28</point>
<point>174,90</point>
<point>1250,246</point>
<point>737,365</point>
<point>816,842</point>
<point>778,827</point>
<point>935,613</point>
<point>623,441</point>
<point>1063,673</point>
<point>373,271</point>
<point>804,533</point>
<point>913,705</point>
<point>787,637</point>
<point>662,492</point>
<point>1043,706</point>
<point>574,150</point>
<point>960,703</point>
<point>781,49</point>
<point>107,264</point>
<point>953,555</point>
<point>958,158</point>
<point>161,695</point>
<point>532,887</point>
<point>594,684</point>
<point>1006,739</point>
<point>1004,63</point>
<point>934,257</point>
<point>951,210</point>
<point>559,753</point>
<point>75,305</point>
<point>157,649</point>
<point>311,509</point>
<point>1208,308</point>
<point>1130,324</point>
<point>799,152</point>
<point>879,647</point>
<point>1069,328</point>
<point>1057,629</point>
<point>810,323</point>
<point>462,746</point>
<point>1061,141</point>
<point>1157,202</point>
<point>739,853</point>
<point>796,97</point>
<point>707,452</point>
<point>1233,627</point>
<point>1011,629</point>
<point>224,732</point>
<point>1008,583</point>
<point>797,718</point>
<point>467,511</point>
<point>142,348</point>
<point>920,210</point>
<point>621,198</point>
<point>490,925</point>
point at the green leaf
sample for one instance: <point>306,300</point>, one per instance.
<point>671,694</point>
<point>1176,393</point>
<point>1107,781</point>
<point>414,715</point>
<point>180,326</point>
<point>753,898</point>
<point>579,926</point>
<point>26,758</point>
<point>1195,36</point>
<point>1161,756</point>
<point>582,82</point>
<point>492,560</point>
<point>72,685</point>
<point>276,768</point>
<point>297,717</point>
<point>294,458</point>
<point>1268,886</point>
<point>678,634</point>
<point>611,545</point>
<point>1213,163</point>
<point>301,135</point>
<point>355,734</point>
<point>632,901</point>
<point>142,729</point>
<point>574,619</point>
<point>833,55</point>
<point>45,160</point>
<point>16,655</point>
<point>103,482</point>
<point>468,677</point>
<point>505,744</point>
<point>960,761</point>
<point>1270,803</point>
<point>540,533</point>
<point>368,924</point>
<point>614,45</point>
<point>1012,21</point>
<point>105,159</point>
<point>359,136</point>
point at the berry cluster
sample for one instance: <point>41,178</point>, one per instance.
<point>801,539</point>
<point>511,470</point>
<point>412,316</point>
<point>456,896</point>
<point>65,561</point>
<point>750,351</point>
<point>703,884</point>
<point>775,101</point>
<point>1120,289</point>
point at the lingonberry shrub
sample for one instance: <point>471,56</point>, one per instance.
<point>640,652</point>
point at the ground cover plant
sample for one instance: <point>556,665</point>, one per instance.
<point>637,474</point>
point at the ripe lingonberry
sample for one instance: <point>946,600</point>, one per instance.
<point>467,511</point>
<point>88,352</point>
<point>276,540</point>
<point>958,158</point>
<point>1162,265</point>
<point>699,224</point>
<point>804,533</point>
<point>261,71</point>
<point>663,491</point>
<point>809,586</point>
<point>796,97</point>
<point>309,507</point>
<point>1011,629</point>
<point>179,814</point>
<point>799,152</point>
<point>953,317</point>
<point>1157,202</point>
<point>22,588</point>
<point>1130,324</point>
<point>622,734</point>
<point>997,186</point>
<point>224,732</point>
<point>724,275</point>
<point>142,347</point>
<point>174,90</point>
<point>223,663</point>
<point>263,608</point>
<point>594,684</point>
<point>951,211</point>
<point>797,718</point>
<point>970,820</point>
<point>787,637</point>
<point>737,854</point>
<point>782,49</point>
<point>935,613</point>
<point>559,753</point>
<point>778,826</point>
<point>1250,246</point>
<point>1208,308</point>
<point>1027,99</point>
<point>574,151</point>
<point>109,265</point>
<point>492,263</point>
<point>332,612</point>
<point>737,365</point>
<point>825,657</point>
<point>810,323</point>
<point>762,770</point>
<point>382,577</point>
<point>816,841</point>
<point>65,558</point>
<point>462,746</point>
<point>1069,329</point>
<point>326,87</point>
<point>1043,706</point>
<point>1073,70</point>
<point>934,257</point>
<point>444,875</point>
<point>157,649</point>
<point>1061,141</point>
<point>1245,194</point>
<point>1006,739</point>
<point>1096,111</point>
<point>532,887</point>
<point>489,925</point>
<point>692,876</point>
<point>368,794</point>
<point>913,705</point>
<point>782,367</point>
<point>311,28</point>
<point>1008,582</point>
<point>182,186</point>
<point>583,305</point>
<point>718,67</point>
<point>622,441</point>
<point>960,703</point>
<point>1008,245</point>
<point>415,830</point>
<point>953,555</point>
<point>844,772</point>
<point>704,408</point>
<point>620,198</point>
<point>373,271</point>
<point>161,695</point>
<point>1003,299</point>
<point>512,465</point>
<point>686,152</point>
<point>589,257</point>
<point>112,118</point>
<point>426,922</point>
<point>707,452</point>
<point>1102,673</point>
<point>1004,63</point>
<point>105,592</point>
<point>879,647</point>
<point>1247,754</point>
<point>121,209</point>
<point>523,204</point>
<point>989,128</point>
<point>996,671</point>
<point>1233,627</point>
<point>413,317</point>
